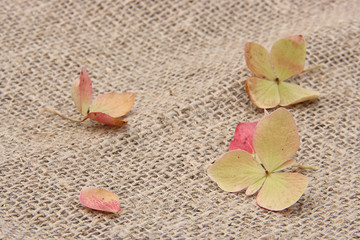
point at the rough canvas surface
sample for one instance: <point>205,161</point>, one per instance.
<point>184,61</point>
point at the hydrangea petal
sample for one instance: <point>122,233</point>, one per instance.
<point>113,104</point>
<point>258,61</point>
<point>99,199</point>
<point>106,119</point>
<point>292,93</point>
<point>243,137</point>
<point>82,92</point>
<point>236,170</point>
<point>263,93</point>
<point>288,56</point>
<point>253,188</point>
<point>281,190</point>
<point>276,139</point>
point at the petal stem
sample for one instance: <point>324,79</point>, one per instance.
<point>312,68</point>
<point>305,167</point>
<point>62,116</point>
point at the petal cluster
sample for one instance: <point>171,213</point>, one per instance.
<point>275,141</point>
<point>267,88</point>
<point>106,108</point>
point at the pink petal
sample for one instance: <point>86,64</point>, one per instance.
<point>99,199</point>
<point>81,92</point>
<point>106,119</point>
<point>243,137</point>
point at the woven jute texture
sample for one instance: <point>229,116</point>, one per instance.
<point>184,61</point>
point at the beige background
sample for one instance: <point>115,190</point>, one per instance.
<point>184,61</point>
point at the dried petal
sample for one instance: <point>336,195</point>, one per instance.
<point>106,119</point>
<point>113,104</point>
<point>276,139</point>
<point>81,92</point>
<point>288,56</point>
<point>258,61</point>
<point>281,190</point>
<point>243,137</point>
<point>99,199</point>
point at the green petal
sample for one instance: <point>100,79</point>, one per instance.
<point>288,56</point>
<point>81,92</point>
<point>113,104</point>
<point>281,190</point>
<point>276,139</point>
<point>292,93</point>
<point>263,93</point>
<point>236,170</point>
<point>258,61</point>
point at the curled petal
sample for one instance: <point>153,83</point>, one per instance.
<point>99,199</point>
<point>106,119</point>
<point>81,92</point>
<point>113,104</point>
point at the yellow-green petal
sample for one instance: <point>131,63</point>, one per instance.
<point>281,190</point>
<point>81,92</point>
<point>288,56</point>
<point>236,170</point>
<point>276,139</point>
<point>258,61</point>
<point>253,188</point>
<point>292,93</point>
<point>263,93</point>
<point>113,104</point>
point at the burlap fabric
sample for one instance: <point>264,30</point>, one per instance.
<point>184,61</point>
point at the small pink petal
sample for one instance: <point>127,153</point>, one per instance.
<point>99,199</point>
<point>106,119</point>
<point>243,137</point>
<point>81,92</point>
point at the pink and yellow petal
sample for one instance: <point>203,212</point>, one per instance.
<point>99,199</point>
<point>288,56</point>
<point>81,92</point>
<point>113,104</point>
<point>258,61</point>
<point>235,170</point>
<point>281,190</point>
<point>243,137</point>
<point>276,139</point>
<point>263,93</point>
<point>106,119</point>
<point>292,94</point>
